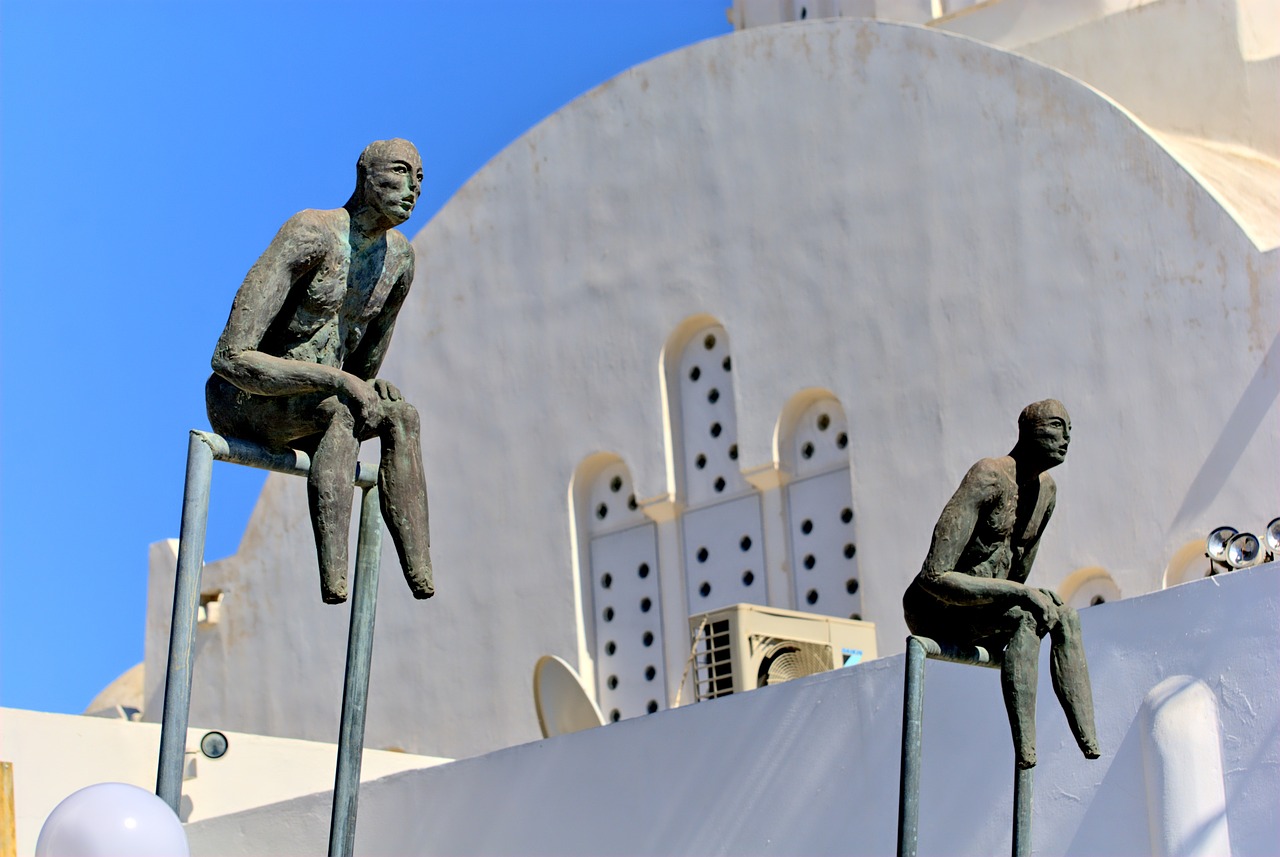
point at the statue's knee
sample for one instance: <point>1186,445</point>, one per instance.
<point>1020,618</point>
<point>1069,619</point>
<point>404,416</point>
<point>334,412</point>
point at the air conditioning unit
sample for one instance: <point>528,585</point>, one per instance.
<point>745,646</point>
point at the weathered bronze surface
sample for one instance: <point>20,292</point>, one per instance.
<point>972,589</point>
<point>296,364</point>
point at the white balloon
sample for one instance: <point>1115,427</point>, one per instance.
<point>112,820</point>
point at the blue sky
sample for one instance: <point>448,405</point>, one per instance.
<point>149,151</point>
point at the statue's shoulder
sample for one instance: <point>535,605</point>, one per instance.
<point>398,244</point>
<point>317,226</point>
<point>1048,487</point>
<point>989,476</point>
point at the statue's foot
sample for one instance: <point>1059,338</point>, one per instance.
<point>333,592</point>
<point>421,582</point>
<point>1090,749</point>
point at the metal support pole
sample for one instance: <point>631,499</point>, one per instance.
<point>912,735</point>
<point>1022,811</point>
<point>182,629</point>
<point>355,689</point>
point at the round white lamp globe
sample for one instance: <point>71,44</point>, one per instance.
<point>112,820</point>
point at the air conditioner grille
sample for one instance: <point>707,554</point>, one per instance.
<point>783,660</point>
<point>714,673</point>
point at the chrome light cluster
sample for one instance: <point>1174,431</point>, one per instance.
<point>1229,549</point>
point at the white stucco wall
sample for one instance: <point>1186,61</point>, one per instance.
<point>811,767</point>
<point>54,755</point>
<point>936,231</point>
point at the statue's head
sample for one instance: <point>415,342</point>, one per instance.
<point>388,180</point>
<point>1044,431</point>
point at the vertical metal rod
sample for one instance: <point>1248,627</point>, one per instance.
<point>355,688</point>
<point>912,735</point>
<point>182,629</point>
<point>1023,778</point>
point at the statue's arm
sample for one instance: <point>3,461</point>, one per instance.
<point>1024,557</point>
<point>940,576</point>
<point>297,248</point>
<point>365,361</point>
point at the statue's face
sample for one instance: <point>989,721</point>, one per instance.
<point>1051,435</point>
<point>393,183</point>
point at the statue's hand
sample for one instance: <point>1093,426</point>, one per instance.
<point>388,391</point>
<point>1043,604</point>
<point>362,398</point>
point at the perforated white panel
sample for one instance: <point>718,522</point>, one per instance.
<point>628,622</point>
<point>613,501</point>
<point>724,555</point>
<point>820,440</point>
<point>824,552</point>
<point>709,425</point>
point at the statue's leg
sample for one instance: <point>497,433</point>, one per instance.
<point>1070,675</point>
<point>1018,678</point>
<point>329,488</point>
<point>403,494</point>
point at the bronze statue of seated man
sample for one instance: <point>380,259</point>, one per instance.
<point>296,364</point>
<point>972,589</point>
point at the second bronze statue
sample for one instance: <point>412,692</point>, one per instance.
<point>296,365</point>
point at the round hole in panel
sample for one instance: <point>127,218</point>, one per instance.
<point>647,639</point>
<point>846,515</point>
<point>652,706</point>
<point>727,364</point>
<point>1096,600</point>
<point>733,452</point>
<point>709,342</point>
<point>811,596</point>
<point>695,373</point>
<point>809,561</point>
<point>606,580</point>
<point>745,543</point>
<point>842,440</point>
<point>748,577</point>
<point>719,484</point>
<point>650,673</point>
<point>645,604</point>
<point>806,526</point>
<point>631,503</point>
<point>713,396</point>
<point>824,422</point>
<point>643,570</point>
<point>602,511</point>
<point>615,485</point>
<point>716,429</point>
<point>700,462</point>
<point>857,617</point>
<point>703,553</point>
<point>615,715</point>
<point>705,589</point>
<point>612,682</point>
<point>608,614</point>
<point>807,450</point>
<point>849,550</point>
<point>851,586</point>
<point>610,648</point>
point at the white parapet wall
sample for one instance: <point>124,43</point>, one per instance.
<point>54,755</point>
<point>811,766</point>
<point>926,230</point>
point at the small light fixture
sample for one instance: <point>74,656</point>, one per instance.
<point>1272,536</point>
<point>1215,548</point>
<point>1244,550</point>
<point>214,745</point>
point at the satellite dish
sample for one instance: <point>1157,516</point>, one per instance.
<point>1244,550</point>
<point>562,702</point>
<point>1216,545</point>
